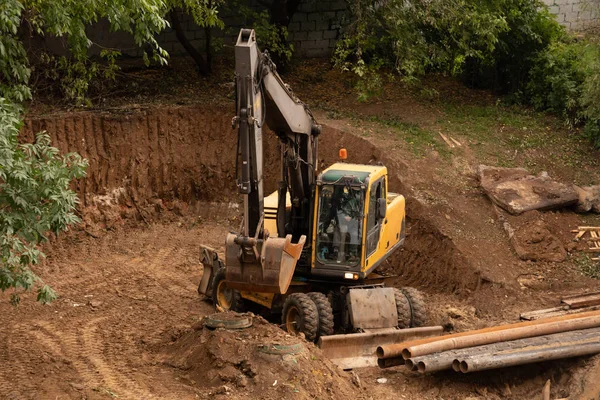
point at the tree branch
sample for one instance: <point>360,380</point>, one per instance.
<point>189,48</point>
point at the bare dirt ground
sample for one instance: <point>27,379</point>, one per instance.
<point>124,323</point>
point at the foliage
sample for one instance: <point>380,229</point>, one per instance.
<point>566,81</point>
<point>415,37</point>
<point>35,198</point>
<point>269,36</point>
<point>488,43</point>
<point>21,19</point>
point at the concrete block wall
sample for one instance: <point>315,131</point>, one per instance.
<point>575,15</point>
<point>314,30</point>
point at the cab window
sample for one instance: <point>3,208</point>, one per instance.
<point>339,232</point>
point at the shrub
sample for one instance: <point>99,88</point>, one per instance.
<point>35,199</point>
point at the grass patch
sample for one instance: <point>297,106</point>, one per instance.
<point>511,136</point>
<point>419,140</point>
<point>587,266</point>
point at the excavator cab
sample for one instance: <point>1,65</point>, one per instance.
<point>358,223</point>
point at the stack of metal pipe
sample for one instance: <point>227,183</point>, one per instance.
<point>500,346</point>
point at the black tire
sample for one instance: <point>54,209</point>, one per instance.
<point>226,298</point>
<point>300,314</point>
<point>325,313</point>
<point>417,306</point>
<point>403,309</point>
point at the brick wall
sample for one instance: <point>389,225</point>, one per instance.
<point>575,15</point>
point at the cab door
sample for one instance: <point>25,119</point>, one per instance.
<point>374,223</point>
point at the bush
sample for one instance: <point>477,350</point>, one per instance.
<point>566,81</point>
<point>35,199</point>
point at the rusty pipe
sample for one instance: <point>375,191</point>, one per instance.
<point>415,348</point>
<point>444,360</point>
<point>513,358</point>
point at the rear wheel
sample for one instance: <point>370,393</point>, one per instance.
<point>325,313</point>
<point>223,296</point>
<point>403,309</point>
<point>300,315</point>
<point>417,306</point>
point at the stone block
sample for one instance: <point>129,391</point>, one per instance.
<point>298,36</point>
<point>332,43</point>
<point>308,6</point>
<point>323,25</point>
<point>315,16</point>
<point>338,5</point>
<point>314,53</point>
<point>299,17</point>
<point>294,27</point>
<point>315,35</point>
<point>554,9</point>
<point>516,191</point>
<point>330,34</point>
<point>571,16</point>
<point>308,26</point>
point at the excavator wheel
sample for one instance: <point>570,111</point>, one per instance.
<point>223,297</point>
<point>325,313</point>
<point>403,308</point>
<point>417,306</point>
<point>300,314</point>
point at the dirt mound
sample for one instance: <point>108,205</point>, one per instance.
<point>249,363</point>
<point>430,259</point>
<point>533,241</point>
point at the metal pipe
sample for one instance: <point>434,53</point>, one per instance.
<point>415,348</point>
<point>444,360</point>
<point>544,353</point>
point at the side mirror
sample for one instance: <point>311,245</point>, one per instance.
<point>381,208</point>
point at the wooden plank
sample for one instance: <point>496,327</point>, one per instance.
<point>456,142</point>
<point>449,143</point>
<point>591,299</point>
<point>588,228</point>
<point>592,250</point>
<point>595,236</point>
<point>580,234</point>
<point>531,315</point>
<point>562,311</point>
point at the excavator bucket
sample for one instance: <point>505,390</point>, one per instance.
<point>272,272</point>
<point>358,350</point>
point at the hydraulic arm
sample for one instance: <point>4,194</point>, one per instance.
<point>256,261</point>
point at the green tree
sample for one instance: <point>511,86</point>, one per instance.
<point>35,199</point>
<point>143,19</point>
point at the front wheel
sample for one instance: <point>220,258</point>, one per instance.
<point>223,296</point>
<point>300,315</point>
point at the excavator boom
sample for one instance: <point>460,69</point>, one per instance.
<point>256,261</point>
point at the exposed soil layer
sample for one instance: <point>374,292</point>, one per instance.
<point>157,156</point>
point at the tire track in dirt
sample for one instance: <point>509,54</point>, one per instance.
<point>160,268</point>
<point>114,378</point>
<point>16,382</point>
<point>69,346</point>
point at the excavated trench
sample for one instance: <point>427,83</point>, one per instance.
<point>188,154</point>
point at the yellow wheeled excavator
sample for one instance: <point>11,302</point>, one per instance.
<point>308,250</point>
